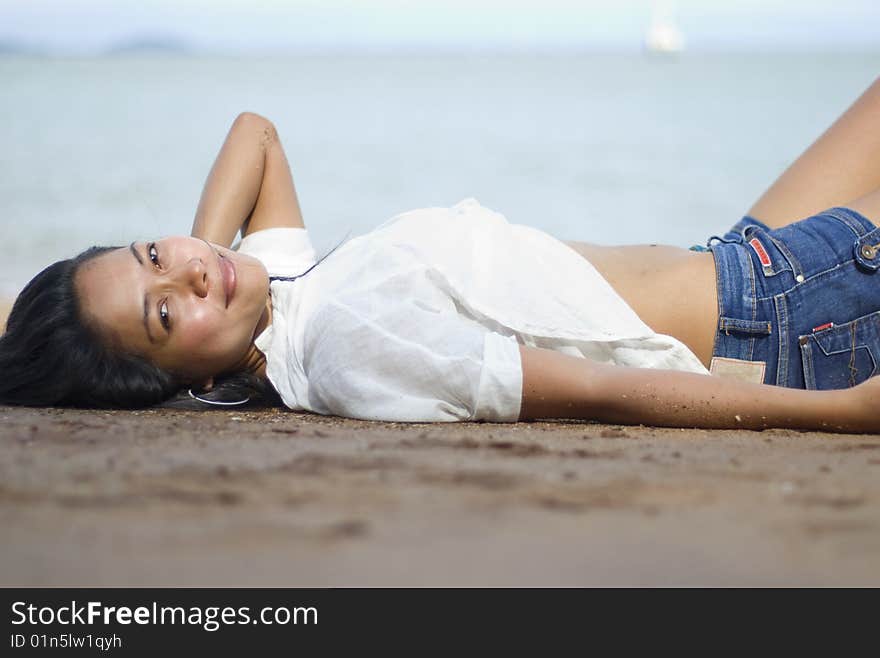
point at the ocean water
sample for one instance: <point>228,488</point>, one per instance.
<point>603,148</point>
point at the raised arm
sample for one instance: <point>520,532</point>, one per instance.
<point>250,187</point>
<point>557,385</point>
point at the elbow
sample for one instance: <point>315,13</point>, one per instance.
<point>253,123</point>
<point>251,119</point>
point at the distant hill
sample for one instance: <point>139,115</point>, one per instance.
<point>12,47</point>
<point>150,44</point>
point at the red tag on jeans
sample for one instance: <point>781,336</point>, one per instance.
<point>762,253</point>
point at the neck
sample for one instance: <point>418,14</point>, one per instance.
<point>254,361</point>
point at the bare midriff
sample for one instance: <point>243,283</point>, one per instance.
<point>671,289</point>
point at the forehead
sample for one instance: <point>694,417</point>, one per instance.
<point>112,298</point>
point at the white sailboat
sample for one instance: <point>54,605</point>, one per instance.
<point>663,35</point>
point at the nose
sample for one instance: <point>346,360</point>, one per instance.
<point>194,274</point>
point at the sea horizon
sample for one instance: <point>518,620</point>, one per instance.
<point>595,146</point>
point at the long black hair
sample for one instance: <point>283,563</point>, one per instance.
<point>50,356</point>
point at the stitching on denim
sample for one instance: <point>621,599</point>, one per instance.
<point>812,277</point>
<point>748,256</point>
<point>807,362</point>
<point>783,331</point>
<point>746,326</point>
<point>842,215</point>
<point>789,256</point>
<point>812,348</point>
<point>869,318</point>
<point>853,371</point>
<point>719,267</point>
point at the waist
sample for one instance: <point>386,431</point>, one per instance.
<point>673,290</point>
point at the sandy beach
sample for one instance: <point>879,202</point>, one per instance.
<point>275,498</point>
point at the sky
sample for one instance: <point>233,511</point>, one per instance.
<point>79,27</point>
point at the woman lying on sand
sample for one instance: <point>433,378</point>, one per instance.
<point>447,314</point>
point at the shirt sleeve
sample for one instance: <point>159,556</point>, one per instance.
<point>410,363</point>
<point>285,251</point>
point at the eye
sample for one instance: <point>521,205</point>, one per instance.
<point>153,254</point>
<point>163,315</point>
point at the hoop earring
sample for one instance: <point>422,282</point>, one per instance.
<point>216,402</point>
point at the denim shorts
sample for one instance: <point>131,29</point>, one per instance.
<point>799,306</point>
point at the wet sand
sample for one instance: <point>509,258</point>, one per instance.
<point>275,498</point>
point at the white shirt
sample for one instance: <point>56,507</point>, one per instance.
<point>421,319</point>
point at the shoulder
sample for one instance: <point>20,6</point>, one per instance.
<point>283,250</point>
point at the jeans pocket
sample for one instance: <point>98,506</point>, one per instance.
<point>772,254</point>
<point>841,356</point>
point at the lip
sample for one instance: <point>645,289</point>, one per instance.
<point>227,270</point>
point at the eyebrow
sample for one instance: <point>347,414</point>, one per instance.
<point>146,305</point>
<point>136,254</point>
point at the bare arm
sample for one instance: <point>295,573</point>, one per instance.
<point>250,186</point>
<point>557,385</point>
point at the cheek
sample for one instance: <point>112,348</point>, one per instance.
<point>210,334</point>
<point>201,331</point>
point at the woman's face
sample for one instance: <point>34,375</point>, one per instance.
<point>184,304</point>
